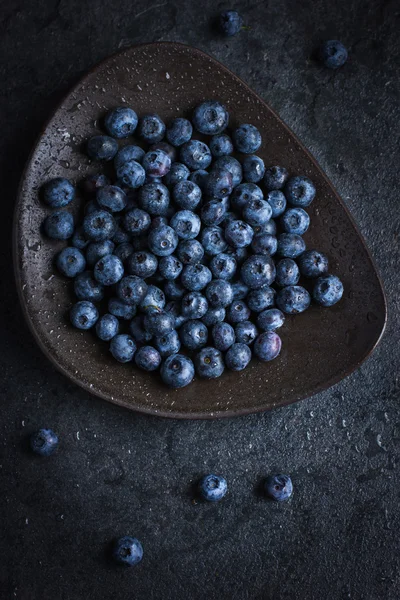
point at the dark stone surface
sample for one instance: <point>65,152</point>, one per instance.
<point>117,472</point>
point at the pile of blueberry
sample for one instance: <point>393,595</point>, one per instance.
<point>189,246</point>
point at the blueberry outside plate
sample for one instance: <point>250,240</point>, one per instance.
<point>320,347</point>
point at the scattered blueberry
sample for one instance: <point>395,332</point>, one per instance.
<point>213,316</point>
<point>159,323</point>
<point>108,270</point>
<point>96,250</point>
<point>122,347</point>
<point>239,234</point>
<point>219,293</point>
<point>257,212</point>
<point>143,264</point>
<point>270,319</point>
<point>278,487</point>
<point>267,346</point>
<point>193,334</point>
<point>99,226</point>
<point>313,263</point>
<point>168,344</point>
<point>121,122</point>
<point>327,290</point>
<point>230,22</point>
<point>245,193</point>
<point>223,336</point>
<point>195,155</point>
<point>148,358</point>
<point>179,131</point>
<point>70,262</point>
<point>151,129</point>
<point>210,118</point>
<point>253,168</point>
<point>300,191</point>
<point>156,163</point>
<point>177,173</point>
<point>131,174</point>
<point>153,300</point>
<point>107,327</point>
<point>187,194</point>
<point>264,243</point>
<point>127,551</point>
<point>170,267</point>
<point>219,184</point>
<point>213,240</point>
<point>295,220</point>
<point>102,147</point>
<point>247,139</point>
<point>237,312</point>
<point>245,332</point>
<point>199,177</point>
<point>169,150</point>
<point>163,240</point>
<point>190,252</point>
<point>186,224</point>
<point>177,371</point>
<point>238,357</point>
<point>111,197</point>
<point>213,488</point>
<point>231,164</point>
<point>277,201</point>
<point>194,305</point>
<point>209,363</point>
<point>257,271</point>
<point>126,154</point>
<point>290,245</point>
<point>223,266</point>
<point>332,54</point>
<point>261,298</point>
<point>221,145</point>
<point>293,299</point>
<point>87,288</point>
<point>131,289</point>
<point>121,309</point>
<point>58,192</point>
<point>44,442</point>
<point>240,290</point>
<point>275,178</point>
<point>138,331</point>
<point>59,225</point>
<point>136,221</point>
<point>84,315</point>
<point>195,277</point>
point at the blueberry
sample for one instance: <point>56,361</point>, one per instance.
<point>245,332</point>
<point>257,271</point>
<point>240,290</point>
<point>124,252</point>
<point>239,254</point>
<point>237,312</point>
<point>151,128</point>
<point>147,358</point>
<point>247,139</point>
<point>154,199</point>
<point>59,225</point>
<point>295,220</point>
<point>264,243</point>
<point>179,131</point>
<point>108,270</point>
<point>232,165</point>
<point>210,118</point>
<point>257,212</point>
<point>287,272</point>
<point>159,323</point>
<point>228,218</point>
<point>238,357</point>
<point>270,319</point>
<point>107,327</point>
<point>168,344</point>
<point>243,194</point>
<point>70,262</point>
<point>177,371</point>
<point>300,191</point>
<point>84,315</point>
<point>158,222</point>
<point>154,300</point>
<point>213,240</point>
<point>327,290</point>
<point>122,347</point>
<point>219,293</point>
<point>290,245</point>
<point>138,331</point>
<point>253,168</point>
<point>99,226</point>
<point>199,177</point>
<point>131,174</point>
<point>143,264</point>
<point>267,346</point>
<point>293,299</point>
<point>131,289</point>
<point>230,22</point>
<point>162,241</point>
<point>121,122</point>
<point>127,551</point>
<point>260,299</point>
<point>195,155</point>
<point>178,172</point>
<point>102,147</point>
<point>58,192</point>
<point>277,201</point>
<point>193,334</point>
<point>44,442</point>
<point>223,336</point>
<point>209,363</point>
<point>128,153</point>
<point>238,234</point>
<point>87,288</point>
<point>268,227</point>
<point>156,163</point>
<point>313,263</point>
<point>194,305</point>
<point>112,198</point>
<point>195,277</point>
<point>97,250</point>
<point>275,178</point>
<point>212,212</point>
<point>186,224</point>
<point>187,195</point>
<point>121,309</point>
<point>79,240</point>
<point>169,150</point>
<point>332,54</point>
<point>219,183</point>
<point>170,267</point>
<point>213,487</point>
<point>136,221</point>
<point>91,183</point>
<point>223,266</point>
<point>213,316</point>
<point>221,145</point>
<point>278,487</point>
<point>190,252</point>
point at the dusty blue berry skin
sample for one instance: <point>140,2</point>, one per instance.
<point>240,290</point>
<point>210,118</point>
<point>112,198</point>
<point>267,346</point>
<point>70,262</point>
<point>232,165</point>
<point>219,184</point>
<point>240,254</point>
<point>99,226</point>
<point>295,220</point>
<point>136,221</point>
<point>120,309</point>
<point>177,371</point>
<point>264,243</point>
<point>87,288</point>
<point>212,212</point>
<point>223,336</point>
<point>131,174</point>
<point>186,224</point>
<point>209,363</point>
<point>245,193</point>
<point>195,155</point>
<point>223,266</point>
<point>257,212</point>
<point>102,147</point>
<point>107,327</point>
<point>213,488</point>
<point>131,289</point>
<point>270,319</point>
<point>275,178</point>
<point>332,54</point>
<point>287,272</point>
<point>237,312</point>
<point>156,163</point>
<point>124,251</point>
<point>268,227</point>
<point>154,199</point>
<point>92,183</point>
<point>195,277</point>
<point>138,331</point>
<point>59,225</point>
<point>190,252</point>
<point>230,22</point>
<point>159,323</point>
<point>293,299</point>
<point>123,347</point>
<point>194,305</point>
<point>213,316</point>
<point>168,344</point>
<point>147,358</point>
<point>170,267</point>
<point>278,487</point>
<point>177,173</point>
<point>238,234</point>
<point>127,551</point>
<point>163,240</point>
<point>58,192</point>
<point>213,240</point>
<point>83,315</point>
<point>128,153</point>
<point>327,290</point>
<point>299,191</point>
<point>277,201</point>
<point>164,147</point>
<point>258,270</point>
<point>219,293</point>
<point>121,122</point>
<point>245,332</point>
<point>290,245</point>
<point>313,263</point>
<point>44,442</point>
<point>187,195</point>
<point>142,263</point>
<point>179,131</point>
<point>193,334</point>
<point>108,270</point>
<point>151,128</point>
<point>260,299</point>
<point>247,139</point>
<point>154,300</point>
<point>221,145</point>
<point>199,177</point>
<point>97,250</point>
<point>238,357</point>
<point>253,168</point>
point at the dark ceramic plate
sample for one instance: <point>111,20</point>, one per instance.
<point>320,347</point>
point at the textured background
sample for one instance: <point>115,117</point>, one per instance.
<point>117,472</point>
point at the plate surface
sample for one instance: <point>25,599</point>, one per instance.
<point>320,347</point>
